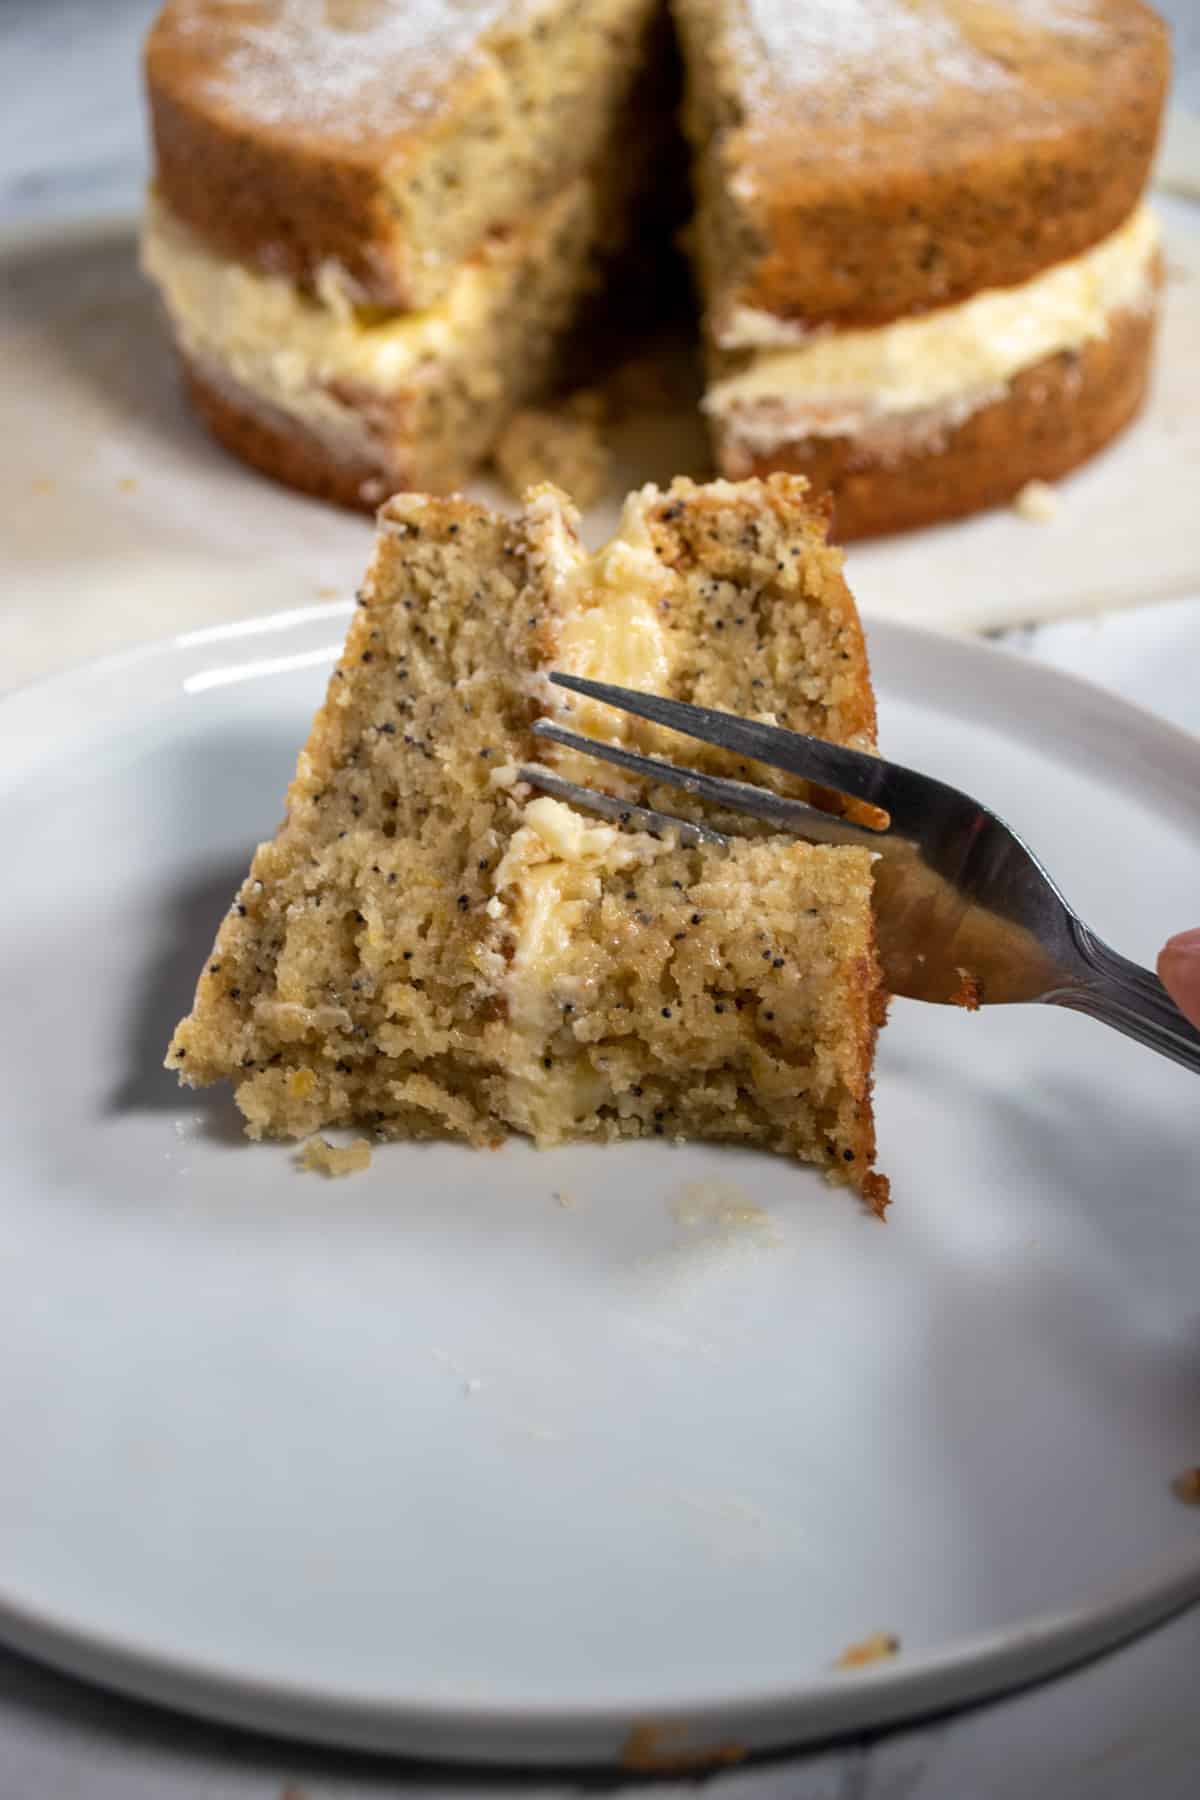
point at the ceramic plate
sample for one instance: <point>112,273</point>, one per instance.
<point>598,1452</point>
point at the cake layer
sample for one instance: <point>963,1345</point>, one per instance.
<point>353,403</point>
<point>920,377</point>
<point>685,993</point>
<point>1050,418</point>
<point>858,161</point>
<point>429,949</point>
<point>377,143</point>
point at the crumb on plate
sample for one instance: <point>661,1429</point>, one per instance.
<point>1037,502</point>
<point>328,1159</point>
<point>654,1748</point>
<point>870,1650</point>
<point>1187,1486</point>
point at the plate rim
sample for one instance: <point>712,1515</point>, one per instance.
<point>982,1665</point>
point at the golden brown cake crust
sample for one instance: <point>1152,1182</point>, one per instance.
<point>348,440</point>
<point>387,137</point>
<point>870,159</point>
<point>281,448</point>
<point>1054,416</point>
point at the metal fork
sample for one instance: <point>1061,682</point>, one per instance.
<point>965,913</point>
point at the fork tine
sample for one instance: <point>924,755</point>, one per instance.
<point>621,811</point>
<point>831,765</point>
<point>795,816</point>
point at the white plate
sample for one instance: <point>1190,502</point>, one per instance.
<point>127,521</point>
<point>428,1460</point>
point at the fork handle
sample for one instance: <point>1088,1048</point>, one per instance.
<point>1131,999</point>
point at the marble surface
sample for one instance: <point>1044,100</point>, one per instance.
<point>71,144</point>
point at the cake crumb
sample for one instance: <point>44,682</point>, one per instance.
<point>564,1199</point>
<point>566,447</point>
<point>656,1747</point>
<point>969,992</point>
<point>876,1648</point>
<point>127,484</point>
<point>721,1210</point>
<point>325,1158</point>
<point>1187,1486</point>
<point>42,484</point>
<point>1037,502</point>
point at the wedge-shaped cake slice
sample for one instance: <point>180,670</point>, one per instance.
<point>427,948</point>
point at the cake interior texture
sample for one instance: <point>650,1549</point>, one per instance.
<point>428,948</point>
<point>351,402</point>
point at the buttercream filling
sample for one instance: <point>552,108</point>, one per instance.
<point>289,347</point>
<point>943,365</point>
<point>608,624</point>
<point>608,608</point>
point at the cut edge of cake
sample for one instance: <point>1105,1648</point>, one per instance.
<point>388,142</point>
<point>927,271</point>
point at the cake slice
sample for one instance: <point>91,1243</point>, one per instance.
<point>927,273</point>
<point>427,948</point>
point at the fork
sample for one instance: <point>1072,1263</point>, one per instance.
<point>965,913</point>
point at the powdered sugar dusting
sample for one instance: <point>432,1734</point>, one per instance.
<point>890,52</point>
<point>353,68</point>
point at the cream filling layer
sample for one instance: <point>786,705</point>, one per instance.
<point>607,604</point>
<point>608,623</point>
<point>944,364</point>
<point>288,347</point>
<point>549,879</point>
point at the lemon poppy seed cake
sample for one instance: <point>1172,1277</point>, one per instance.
<point>926,272</point>
<point>375,223</point>
<point>428,948</point>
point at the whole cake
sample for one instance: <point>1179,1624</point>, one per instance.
<point>926,272</point>
<point>427,948</point>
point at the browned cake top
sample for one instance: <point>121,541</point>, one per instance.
<point>890,155</point>
<point>869,71</point>
<point>347,74</point>
<point>388,136</point>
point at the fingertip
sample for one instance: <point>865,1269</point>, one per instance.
<point>1184,943</point>
<point>1179,972</point>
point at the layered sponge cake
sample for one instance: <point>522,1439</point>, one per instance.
<point>374,222</point>
<point>926,273</point>
<point>428,948</point>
